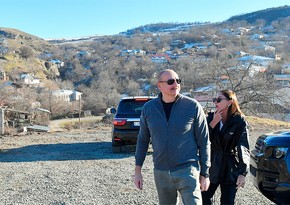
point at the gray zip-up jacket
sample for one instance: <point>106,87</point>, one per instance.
<point>181,141</point>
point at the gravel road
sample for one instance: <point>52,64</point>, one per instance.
<point>79,168</point>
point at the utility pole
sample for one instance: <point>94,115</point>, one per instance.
<point>2,121</point>
<point>80,98</point>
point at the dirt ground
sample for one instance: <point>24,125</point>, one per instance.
<point>77,166</point>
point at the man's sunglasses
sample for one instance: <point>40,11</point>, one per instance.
<point>218,100</point>
<point>171,81</point>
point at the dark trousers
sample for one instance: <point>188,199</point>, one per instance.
<point>228,194</point>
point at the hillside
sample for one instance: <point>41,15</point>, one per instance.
<point>13,43</point>
<point>268,15</point>
<point>16,38</point>
<point>104,68</point>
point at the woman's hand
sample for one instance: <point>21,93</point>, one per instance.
<point>241,181</point>
<point>217,116</point>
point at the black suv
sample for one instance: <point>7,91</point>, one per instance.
<point>270,166</point>
<point>126,123</point>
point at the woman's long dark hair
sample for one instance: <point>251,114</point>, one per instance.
<point>234,109</point>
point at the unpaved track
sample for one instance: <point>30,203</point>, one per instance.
<point>78,168</point>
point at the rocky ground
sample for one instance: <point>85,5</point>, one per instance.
<point>78,168</point>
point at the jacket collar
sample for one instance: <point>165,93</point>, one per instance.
<point>176,99</point>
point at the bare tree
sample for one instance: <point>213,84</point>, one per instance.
<point>19,98</point>
<point>255,89</point>
<point>101,94</point>
<point>25,52</point>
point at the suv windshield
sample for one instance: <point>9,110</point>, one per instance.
<point>130,107</point>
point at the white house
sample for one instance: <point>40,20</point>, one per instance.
<point>28,79</point>
<point>57,62</point>
<point>67,95</point>
<point>137,52</point>
<point>269,48</point>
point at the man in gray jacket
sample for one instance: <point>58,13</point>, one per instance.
<point>176,125</point>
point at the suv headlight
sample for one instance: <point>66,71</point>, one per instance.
<point>279,152</point>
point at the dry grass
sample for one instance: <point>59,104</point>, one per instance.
<point>257,121</point>
<point>88,123</point>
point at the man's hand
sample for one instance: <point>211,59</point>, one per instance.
<point>204,183</point>
<point>138,179</point>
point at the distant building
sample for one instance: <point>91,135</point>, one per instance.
<point>67,95</point>
<point>10,84</point>
<point>160,58</point>
<point>83,53</point>
<point>286,68</point>
<point>3,75</point>
<point>204,96</point>
<point>137,52</point>
<point>258,60</point>
<point>282,79</point>
<point>269,48</point>
<point>28,79</point>
<point>178,43</point>
<point>70,97</point>
<point>59,63</point>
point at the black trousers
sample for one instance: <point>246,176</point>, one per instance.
<point>228,194</point>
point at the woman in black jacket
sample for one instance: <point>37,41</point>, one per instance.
<point>229,148</point>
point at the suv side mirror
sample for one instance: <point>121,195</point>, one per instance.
<point>113,110</point>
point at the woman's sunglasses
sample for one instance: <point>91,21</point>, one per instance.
<point>171,81</point>
<point>218,100</point>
